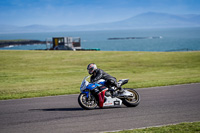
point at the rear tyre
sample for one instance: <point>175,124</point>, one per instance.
<point>87,103</point>
<point>132,101</point>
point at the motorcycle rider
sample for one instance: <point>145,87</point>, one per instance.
<point>98,74</point>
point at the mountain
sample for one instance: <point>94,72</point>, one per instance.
<point>159,20</point>
<point>144,20</point>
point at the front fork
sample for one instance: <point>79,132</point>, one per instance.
<point>88,95</point>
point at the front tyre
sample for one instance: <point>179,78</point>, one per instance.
<point>132,101</point>
<point>87,103</point>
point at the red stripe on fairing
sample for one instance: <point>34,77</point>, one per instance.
<point>101,98</point>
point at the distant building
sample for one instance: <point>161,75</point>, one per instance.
<point>64,43</point>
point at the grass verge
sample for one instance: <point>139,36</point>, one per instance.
<point>25,74</point>
<point>193,127</point>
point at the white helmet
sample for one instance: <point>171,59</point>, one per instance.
<point>91,68</point>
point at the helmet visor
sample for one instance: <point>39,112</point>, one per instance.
<point>90,71</point>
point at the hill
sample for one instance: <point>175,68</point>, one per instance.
<point>144,20</point>
<point>163,20</point>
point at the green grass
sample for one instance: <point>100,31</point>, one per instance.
<point>193,127</point>
<point>26,74</point>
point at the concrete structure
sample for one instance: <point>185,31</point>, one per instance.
<point>64,43</point>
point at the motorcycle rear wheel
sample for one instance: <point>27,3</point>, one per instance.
<point>132,101</point>
<point>87,103</point>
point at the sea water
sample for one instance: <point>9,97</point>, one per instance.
<point>168,39</point>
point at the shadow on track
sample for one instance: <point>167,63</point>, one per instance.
<point>58,109</point>
<point>73,109</point>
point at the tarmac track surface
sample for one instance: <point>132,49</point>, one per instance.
<point>62,114</point>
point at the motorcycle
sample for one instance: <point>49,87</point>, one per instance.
<point>96,94</point>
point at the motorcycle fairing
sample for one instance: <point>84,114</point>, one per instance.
<point>112,102</point>
<point>105,101</point>
<point>92,86</point>
<point>103,82</point>
<point>101,96</point>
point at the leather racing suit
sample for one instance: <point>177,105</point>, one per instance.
<point>100,74</point>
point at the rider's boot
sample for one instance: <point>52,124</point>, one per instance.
<point>121,90</point>
<point>112,91</point>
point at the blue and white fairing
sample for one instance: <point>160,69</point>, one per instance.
<point>85,85</point>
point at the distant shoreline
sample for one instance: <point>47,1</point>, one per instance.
<point>6,43</point>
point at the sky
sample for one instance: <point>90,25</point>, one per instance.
<point>81,12</point>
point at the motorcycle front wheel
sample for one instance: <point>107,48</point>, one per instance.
<point>87,103</point>
<point>132,101</point>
